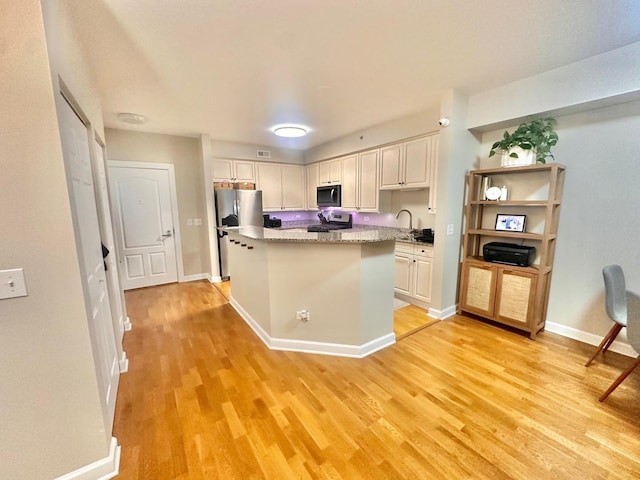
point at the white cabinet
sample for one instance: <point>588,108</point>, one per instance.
<point>360,187</point>
<point>350,182</point>
<point>312,186</point>
<point>413,273</point>
<point>330,172</point>
<point>407,164</point>
<point>233,170</point>
<point>282,186</point>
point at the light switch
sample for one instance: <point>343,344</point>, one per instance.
<point>450,229</point>
<point>12,283</point>
<point>189,222</point>
<point>197,221</point>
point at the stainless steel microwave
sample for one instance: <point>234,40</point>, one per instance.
<point>329,196</point>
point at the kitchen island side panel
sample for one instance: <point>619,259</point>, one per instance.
<point>322,278</point>
<point>250,282</point>
<point>377,270</point>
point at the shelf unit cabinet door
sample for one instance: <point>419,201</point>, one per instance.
<point>270,182</point>
<point>244,171</point>
<point>422,273</point>
<point>478,289</point>
<point>369,195</point>
<point>312,186</point>
<point>515,296</point>
<point>417,155</point>
<point>391,167</point>
<point>350,183</point>
<point>292,187</point>
<point>403,273</point>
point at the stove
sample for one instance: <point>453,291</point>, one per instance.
<point>337,221</point>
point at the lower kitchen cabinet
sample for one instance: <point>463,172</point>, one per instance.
<point>503,293</point>
<point>413,273</point>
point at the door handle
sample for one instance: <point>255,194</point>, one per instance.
<point>167,235</point>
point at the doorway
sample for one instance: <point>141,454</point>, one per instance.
<point>146,219</point>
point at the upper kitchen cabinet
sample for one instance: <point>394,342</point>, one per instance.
<point>407,164</point>
<point>330,172</point>
<point>233,170</point>
<point>281,185</point>
<point>360,186</point>
<point>312,185</point>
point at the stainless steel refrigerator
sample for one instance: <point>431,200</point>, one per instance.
<point>235,208</point>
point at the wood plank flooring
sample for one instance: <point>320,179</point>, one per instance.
<point>462,399</point>
<point>409,320</point>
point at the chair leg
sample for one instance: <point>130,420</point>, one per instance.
<point>617,328</point>
<point>620,379</point>
<point>606,341</point>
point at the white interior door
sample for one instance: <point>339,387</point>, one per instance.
<point>116,295</point>
<point>77,159</point>
<point>144,224</point>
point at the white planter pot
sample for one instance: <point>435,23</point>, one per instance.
<point>525,157</point>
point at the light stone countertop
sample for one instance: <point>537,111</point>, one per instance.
<point>297,232</point>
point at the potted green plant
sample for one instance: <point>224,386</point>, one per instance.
<point>531,142</point>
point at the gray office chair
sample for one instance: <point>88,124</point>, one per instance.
<point>616,305</point>
<point>623,308</point>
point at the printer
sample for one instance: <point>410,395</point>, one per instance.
<point>508,253</point>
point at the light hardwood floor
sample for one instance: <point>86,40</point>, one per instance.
<point>462,399</point>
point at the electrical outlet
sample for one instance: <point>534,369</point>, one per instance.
<point>303,315</point>
<point>450,229</point>
<point>366,219</point>
<point>197,221</point>
<point>297,216</point>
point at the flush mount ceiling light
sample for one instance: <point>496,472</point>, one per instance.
<point>133,118</point>
<point>290,131</point>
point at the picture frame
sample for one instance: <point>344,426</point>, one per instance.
<point>510,223</point>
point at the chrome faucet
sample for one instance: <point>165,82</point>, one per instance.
<point>410,217</point>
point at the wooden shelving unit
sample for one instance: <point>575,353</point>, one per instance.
<point>512,295</point>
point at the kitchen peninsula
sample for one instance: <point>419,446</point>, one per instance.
<point>341,280</point>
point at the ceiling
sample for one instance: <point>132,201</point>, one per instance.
<point>234,68</point>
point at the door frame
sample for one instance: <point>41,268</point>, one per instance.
<point>170,168</point>
<point>62,99</point>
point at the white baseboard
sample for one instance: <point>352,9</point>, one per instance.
<point>194,277</point>
<point>127,324</point>
<point>217,279</point>
<point>305,346</point>
<point>589,338</point>
<point>102,469</point>
<point>124,363</point>
<point>444,313</point>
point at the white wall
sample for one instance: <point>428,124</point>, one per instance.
<point>456,157</point>
<point>599,219</point>
<point>50,411</point>
<point>244,151</point>
<point>420,123</point>
<point>606,79</point>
